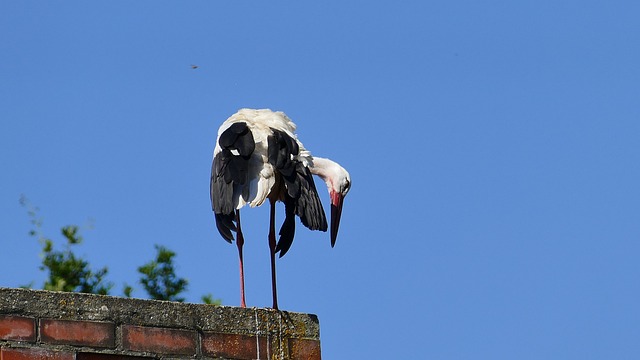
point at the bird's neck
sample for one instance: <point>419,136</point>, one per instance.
<point>324,169</point>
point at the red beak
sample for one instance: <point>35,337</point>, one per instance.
<point>336,212</point>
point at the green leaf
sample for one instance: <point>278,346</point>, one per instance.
<point>208,299</point>
<point>159,278</point>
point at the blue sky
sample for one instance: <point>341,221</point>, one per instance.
<point>493,149</point>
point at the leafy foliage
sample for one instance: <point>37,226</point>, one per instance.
<point>128,290</point>
<point>68,272</point>
<point>208,299</point>
<point>159,278</point>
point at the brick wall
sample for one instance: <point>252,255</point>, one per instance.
<point>36,324</point>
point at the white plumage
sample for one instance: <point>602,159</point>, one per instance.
<point>258,157</point>
<point>261,172</point>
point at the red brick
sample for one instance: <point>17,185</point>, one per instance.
<point>34,354</point>
<point>80,333</point>
<point>233,346</point>
<point>304,349</point>
<point>96,356</point>
<point>17,328</point>
<point>159,340</point>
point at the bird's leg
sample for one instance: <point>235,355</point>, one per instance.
<point>239,243</point>
<point>272,248</point>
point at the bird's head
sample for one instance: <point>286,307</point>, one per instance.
<point>338,183</point>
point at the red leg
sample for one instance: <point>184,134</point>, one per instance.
<point>272,248</point>
<point>239,243</point>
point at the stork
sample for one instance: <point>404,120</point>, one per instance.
<point>258,157</point>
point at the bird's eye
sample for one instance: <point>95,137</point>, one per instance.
<point>346,186</point>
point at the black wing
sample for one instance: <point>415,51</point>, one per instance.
<point>230,170</point>
<point>301,197</point>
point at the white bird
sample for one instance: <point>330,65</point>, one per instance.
<point>258,157</point>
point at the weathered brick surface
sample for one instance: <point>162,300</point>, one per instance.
<point>306,349</point>
<point>80,333</point>
<point>17,328</point>
<point>159,340</point>
<point>234,346</point>
<point>96,356</point>
<point>36,324</point>
<point>34,354</point>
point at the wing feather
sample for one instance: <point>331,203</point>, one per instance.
<point>230,175</point>
<point>301,197</point>
<point>256,148</point>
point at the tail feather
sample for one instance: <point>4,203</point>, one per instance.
<point>225,224</point>
<point>288,229</point>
